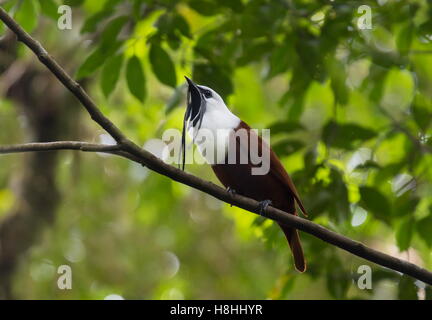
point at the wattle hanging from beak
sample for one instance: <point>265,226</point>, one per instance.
<point>196,106</point>
<point>195,103</point>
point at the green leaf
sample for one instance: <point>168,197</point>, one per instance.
<point>422,116</point>
<point>407,289</point>
<point>285,127</point>
<point>428,291</point>
<point>214,77</point>
<point>112,30</point>
<point>182,25</point>
<point>287,147</point>
<point>319,200</point>
<point>338,78</point>
<point>136,78</point>
<point>389,171</point>
<point>405,37</point>
<point>254,51</point>
<point>91,64</point>
<point>27,14</point>
<point>49,8</point>
<point>280,59</point>
<point>204,7</point>
<point>424,229</point>
<point>96,59</point>
<point>92,22</point>
<point>294,97</point>
<point>74,3</point>
<point>367,165</point>
<point>235,5</point>
<point>345,136</point>
<point>111,74</point>
<point>374,201</point>
<point>404,234</point>
<point>405,204</point>
<point>339,210</point>
<point>375,82</point>
<point>107,47</point>
<point>162,65</point>
<point>337,280</point>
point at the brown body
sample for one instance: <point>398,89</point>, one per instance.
<point>276,186</point>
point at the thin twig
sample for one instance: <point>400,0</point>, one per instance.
<point>67,145</point>
<point>58,145</point>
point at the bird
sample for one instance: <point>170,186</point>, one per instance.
<point>207,113</point>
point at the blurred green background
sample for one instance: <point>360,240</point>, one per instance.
<point>350,114</point>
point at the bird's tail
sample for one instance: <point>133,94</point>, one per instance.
<point>296,248</point>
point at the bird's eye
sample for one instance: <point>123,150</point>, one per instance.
<point>207,94</point>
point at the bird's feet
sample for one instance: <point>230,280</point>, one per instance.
<point>232,192</point>
<point>263,206</point>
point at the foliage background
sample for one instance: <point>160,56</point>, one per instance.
<point>350,112</point>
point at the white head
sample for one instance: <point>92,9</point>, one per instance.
<point>206,109</point>
<point>207,114</point>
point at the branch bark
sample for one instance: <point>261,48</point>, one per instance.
<point>146,158</point>
<point>67,145</point>
<point>58,145</point>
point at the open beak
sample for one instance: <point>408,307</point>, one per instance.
<point>196,107</point>
<point>194,101</point>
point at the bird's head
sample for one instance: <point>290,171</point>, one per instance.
<point>205,109</point>
<point>201,99</point>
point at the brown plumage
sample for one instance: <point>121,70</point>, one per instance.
<point>276,186</point>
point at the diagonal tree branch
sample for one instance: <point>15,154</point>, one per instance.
<point>144,157</point>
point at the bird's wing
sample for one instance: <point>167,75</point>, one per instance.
<point>279,172</point>
<point>276,168</point>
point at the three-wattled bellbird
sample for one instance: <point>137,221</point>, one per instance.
<point>206,110</point>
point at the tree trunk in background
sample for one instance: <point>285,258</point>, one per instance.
<point>44,106</point>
